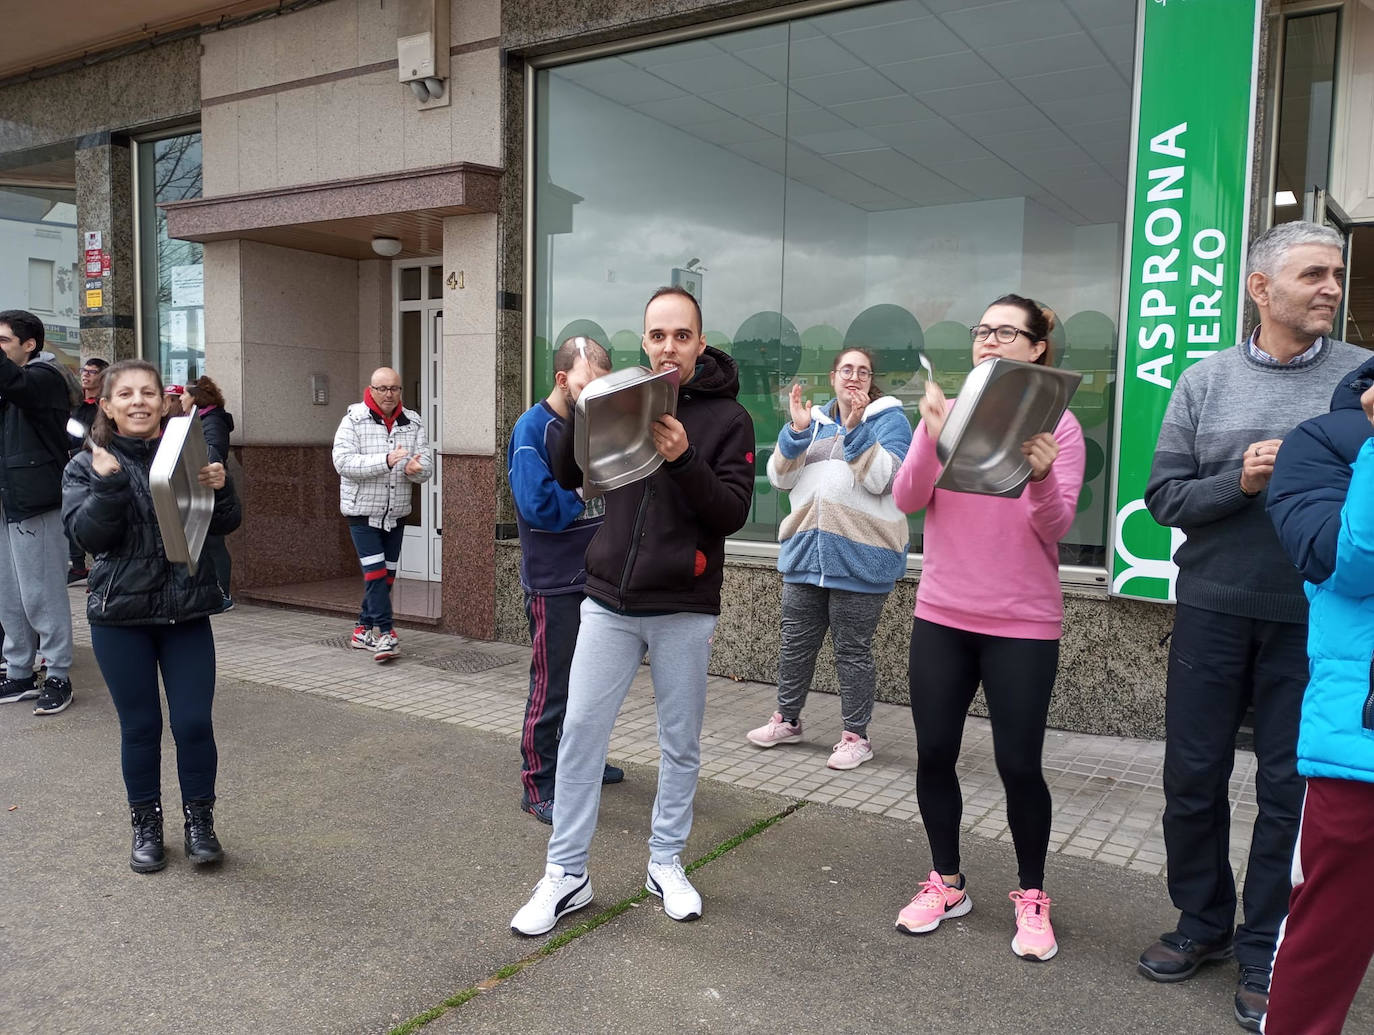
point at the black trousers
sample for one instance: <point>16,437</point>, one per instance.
<point>1219,665</point>
<point>130,658</point>
<point>946,667</point>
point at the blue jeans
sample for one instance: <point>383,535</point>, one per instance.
<point>610,647</point>
<point>378,552</point>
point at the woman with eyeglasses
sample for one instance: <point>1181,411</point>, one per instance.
<point>989,610</point>
<point>843,547</point>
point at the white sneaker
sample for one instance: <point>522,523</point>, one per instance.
<point>556,893</point>
<point>670,883</point>
<point>386,647</point>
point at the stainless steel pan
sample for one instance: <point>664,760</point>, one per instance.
<point>183,506</point>
<point>1003,403</point>
<point>614,444</point>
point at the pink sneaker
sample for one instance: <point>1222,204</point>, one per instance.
<point>936,901</point>
<point>851,752</point>
<point>774,732</point>
<point>1034,935</point>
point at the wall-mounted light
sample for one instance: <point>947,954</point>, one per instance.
<point>386,247</point>
<point>1284,198</point>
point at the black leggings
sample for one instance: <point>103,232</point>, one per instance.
<point>129,658</point>
<point>946,666</point>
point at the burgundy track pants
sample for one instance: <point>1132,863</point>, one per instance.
<point>1327,941</point>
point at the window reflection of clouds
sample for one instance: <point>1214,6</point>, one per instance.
<point>906,186</point>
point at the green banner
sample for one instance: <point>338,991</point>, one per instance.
<point>1185,253</point>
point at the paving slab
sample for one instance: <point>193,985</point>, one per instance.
<point>374,862</point>
<point>798,936</point>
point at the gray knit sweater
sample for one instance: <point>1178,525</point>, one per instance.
<point>1232,561</point>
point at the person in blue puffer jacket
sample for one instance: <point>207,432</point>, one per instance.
<point>1321,499</point>
<point>842,547</point>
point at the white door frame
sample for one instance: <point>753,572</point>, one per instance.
<point>421,548</point>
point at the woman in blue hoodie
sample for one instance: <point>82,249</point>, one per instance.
<point>1321,498</point>
<point>843,546</point>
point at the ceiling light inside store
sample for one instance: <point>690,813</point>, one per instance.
<point>386,246</point>
<point>1284,198</point>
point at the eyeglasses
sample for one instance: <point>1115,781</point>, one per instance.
<point>849,372</point>
<point>1005,335</point>
<point>386,388</point>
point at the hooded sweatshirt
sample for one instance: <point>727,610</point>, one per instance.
<point>34,405</point>
<point>661,548</point>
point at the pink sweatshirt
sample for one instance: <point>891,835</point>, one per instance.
<point>991,565</point>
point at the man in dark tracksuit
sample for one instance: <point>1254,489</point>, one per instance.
<point>555,527</point>
<point>654,575</point>
<point>33,547</point>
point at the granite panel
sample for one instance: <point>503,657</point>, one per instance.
<point>377,32</point>
<point>158,85</point>
<point>427,138</point>
<point>1137,656</point>
<point>336,133</point>
<point>224,363</point>
<point>292,530</point>
<point>219,64</point>
<point>257,53</point>
<point>469,546</point>
<point>380,122</point>
<point>297,298</point>
<point>297,144</point>
<point>104,202</point>
<point>219,142</point>
<point>257,134</point>
<point>469,394</point>
<point>536,25</point>
<point>510,401</point>
<point>223,291</point>
<point>278,409</point>
<point>316,40</point>
<point>470,249</point>
<point>511,623</point>
<point>471,20</point>
<point>475,123</point>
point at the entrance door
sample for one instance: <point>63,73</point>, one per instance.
<point>417,355</point>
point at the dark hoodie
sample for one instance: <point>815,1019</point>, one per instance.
<point>661,548</point>
<point>218,425</point>
<point>1312,475</point>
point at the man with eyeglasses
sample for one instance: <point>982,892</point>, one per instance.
<point>91,373</point>
<point>1240,625</point>
<point>379,450</point>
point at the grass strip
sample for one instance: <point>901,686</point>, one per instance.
<point>584,927</point>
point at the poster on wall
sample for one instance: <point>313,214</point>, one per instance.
<point>188,285</point>
<point>1185,252</point>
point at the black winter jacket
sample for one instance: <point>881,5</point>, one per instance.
<point>33,438</point>
<point>218,425</point>
<point>662,545</point>
<point>112,518</point>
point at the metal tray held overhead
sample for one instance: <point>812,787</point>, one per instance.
<point>1003,403</point>
<point>614,443</point>
<point>183,505</point>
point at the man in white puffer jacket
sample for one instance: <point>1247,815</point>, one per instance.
<point>379,449</point>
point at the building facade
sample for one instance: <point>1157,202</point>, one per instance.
<point>277,208</point>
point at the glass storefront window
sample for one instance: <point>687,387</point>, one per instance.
<point>1306,102</point>
<point>173,312</point>
<point>873,176</point>
<point>39,265</point>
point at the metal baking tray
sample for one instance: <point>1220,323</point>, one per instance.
<point>614,444</point>
<point>1003,403</point>
<point>183,506</point>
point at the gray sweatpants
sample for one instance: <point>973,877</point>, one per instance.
<point>33,594</point>
<point>807,611</point>
<point>610,647</point>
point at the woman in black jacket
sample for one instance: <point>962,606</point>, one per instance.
<point>147,613</point>
<point>203,395</point>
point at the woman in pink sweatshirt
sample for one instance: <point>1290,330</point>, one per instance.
<point>989,609</point>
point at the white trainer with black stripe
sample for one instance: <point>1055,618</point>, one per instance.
<point>669,882</point>
<point>556,894</point>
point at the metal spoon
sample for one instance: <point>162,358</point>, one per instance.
<point>925,363</point>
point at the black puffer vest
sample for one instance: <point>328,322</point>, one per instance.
<point>131,581</point>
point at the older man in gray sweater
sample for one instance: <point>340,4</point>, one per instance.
<point>1240,629</point>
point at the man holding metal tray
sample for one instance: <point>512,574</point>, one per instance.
<point>654,574</point>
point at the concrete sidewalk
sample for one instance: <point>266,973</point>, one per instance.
<point>375,859</point>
